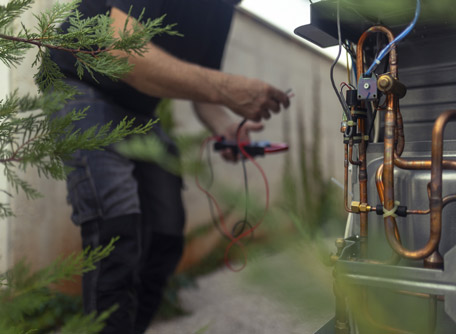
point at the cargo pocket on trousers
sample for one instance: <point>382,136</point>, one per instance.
<point>82,194</point>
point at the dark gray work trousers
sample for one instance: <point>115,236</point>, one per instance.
<point>140,203</point>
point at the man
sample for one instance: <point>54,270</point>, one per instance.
<point>140,202</point>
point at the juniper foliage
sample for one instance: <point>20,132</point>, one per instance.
<point>23,292</point>
<point>35,139</point>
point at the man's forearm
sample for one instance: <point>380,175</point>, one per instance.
<point>160,74</point>
<point>213,116</point>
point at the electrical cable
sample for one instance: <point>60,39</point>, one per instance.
<point>209,195</point>
<point>349,48</point>
<point>266,209</point>
<point>235,238</point>
<point>341,100</point>
<point>241,225</point>
<point>398,38</point>
<point>211,181</point>
<point>374,115</point>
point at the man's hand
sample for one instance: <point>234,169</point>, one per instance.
<point>230,134</point>
<point>251,98</point>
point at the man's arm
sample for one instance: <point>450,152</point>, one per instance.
<point>157,73</point>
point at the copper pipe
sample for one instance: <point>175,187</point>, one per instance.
<point>379,183</point>
<point>421,164</point>
<point>448,199</point>
<point>435,201</point>
<point>347,208</point>
<point>418,212</point>
<point>361,126</point>
<point>381,195</point>
<point>380,189</point>
<point>400,132</point>
<point>360,55</point>
<point>363,216</point>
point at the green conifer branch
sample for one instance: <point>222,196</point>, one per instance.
<point>31,137</point>
<point>38,140</point>
<point>23,292</point>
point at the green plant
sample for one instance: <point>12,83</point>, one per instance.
<point>23,293</point>
<point>30,137</point>
<point>37,139</point>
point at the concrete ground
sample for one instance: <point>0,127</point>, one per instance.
<point>289,292</point>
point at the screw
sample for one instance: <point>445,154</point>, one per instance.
<point>366,86</point>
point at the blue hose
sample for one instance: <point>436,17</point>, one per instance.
<point>398,38</point>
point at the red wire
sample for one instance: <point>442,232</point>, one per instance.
<point>253,228</point>
<point>219,211</point>
<point>235,240</point>
<point>346,85</point>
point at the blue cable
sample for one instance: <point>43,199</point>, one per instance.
<point>398,38</point>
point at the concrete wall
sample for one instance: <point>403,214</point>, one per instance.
<point>4,225</point>
<point>42,231</point>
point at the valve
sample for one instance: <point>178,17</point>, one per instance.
<point>388,84</point>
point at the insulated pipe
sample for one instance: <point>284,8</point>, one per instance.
<point>361,126</point>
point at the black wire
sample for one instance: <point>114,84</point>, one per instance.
<point>211,180</point>
<point>374,115</point>
<point>246,189</point>
<point>347,114</point>
<point>341,100</point>
<point>244,223</point>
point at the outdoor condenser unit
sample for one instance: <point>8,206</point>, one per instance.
<point>395,269</point>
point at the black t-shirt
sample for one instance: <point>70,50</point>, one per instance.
<point>204,24</point>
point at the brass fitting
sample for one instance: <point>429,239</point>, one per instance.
<point>357,207</point>
<point>343,127</point>
<point>364,207</point>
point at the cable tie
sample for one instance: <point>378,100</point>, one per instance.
<point>377,61</point>
<point>351,123</point>
<point>392,212</point>
<point>366,138</point>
